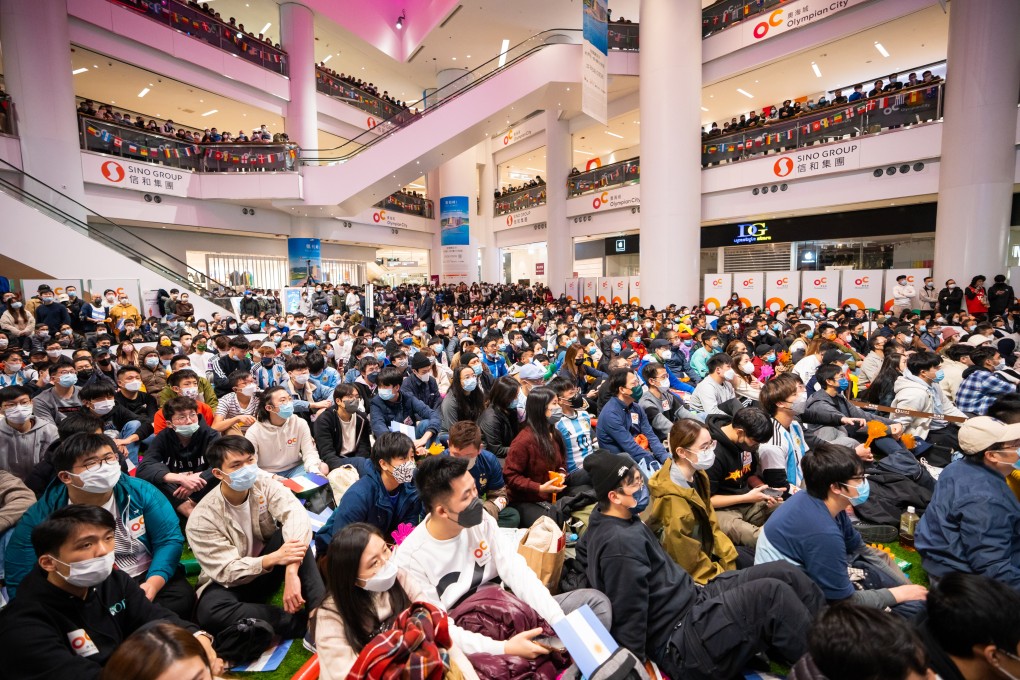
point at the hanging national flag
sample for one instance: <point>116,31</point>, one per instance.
<point>104,135</point>
<point>218,155</point>
<point>849,113</point>
<point>748,143</point>
<point>92,131</point>
<point>118,142</point>
<point>177,154</point>
<point>816,126</point>
<point>132,148</point>
<point>144,151</point>
<point>730,148</point>
<point>262,158</point>
<point>166,152</point>
<point>825,122</point>
<point>789,134</point>
<point>838,118</point>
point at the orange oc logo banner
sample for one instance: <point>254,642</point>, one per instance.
<point>762,29</point>
<point>379,216</point>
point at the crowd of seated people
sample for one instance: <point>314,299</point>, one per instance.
<point>793,109</point>
<point>726,471</point>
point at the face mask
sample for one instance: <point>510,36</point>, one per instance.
<point>636,392</point>
<point>72,294</point>
<point>103,407</point>
<point>287,350</point>
<point>951,286</point>
<point>642,497</point>
<point>616,348</point>
<point>747,367</point>
<point>300,378</point>
<point>243,478</point>
<point>771,358</point>
<point>17,415</point>
<point>730,373</point>
<point>666,355</point>
<point>53,353</point>
<point>470,384</point>
<point>100,480</point>
<point>133,385</point>
<point>285,410</point>
<point>385,393</point>
<point>437,348</point>
<point>863,491</point>
<point>16,305</point>
<point>404,472</point>
<point>688,342</point>
<point>190,392</point>
<point>471,516</point>
<point>705,459</point>
<point>67,380</point>
<point>186,430</point>
<point>3,343</point>
<point>91,572</point>
<point>383,579</point>
<point>351,407</point>
<point>556,416</point>
<point>940,375</point>
<point>843,384</point>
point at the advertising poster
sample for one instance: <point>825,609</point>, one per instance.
<point>590,288</point>
<point>750,286</point>
<point>781,289</point>
<point>573,289</point>
<point>819,287</point>
<point>135,175</point>
<point>150,304</point>
<point>455,238</point>
<point>861,288</point>
<point>304,261</point>
<point>635,290</point>
<point>30,287</point>
<point>594,73</point>
<point>605,290</point>
<point>619,286</point>
<point>915,278</point>
<point>717,290</point>
<point>292,300</point>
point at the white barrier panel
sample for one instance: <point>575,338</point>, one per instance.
<point>590,286</point>
<point>573,289</point>
<point>717,290</point>
<point>618,286</point>
<point>862,288</point>
<point>818,287</point>
<point>750,286</point>
<point>781,289</point>
<point>635,290</point>
<point>605,290</point>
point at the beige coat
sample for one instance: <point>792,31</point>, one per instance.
<point>15,499</point>
<point>281,448</point>
<point>220,545</point>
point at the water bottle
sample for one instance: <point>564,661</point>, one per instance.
<point>908,523</point>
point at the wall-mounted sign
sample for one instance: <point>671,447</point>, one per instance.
<point>752,232</point>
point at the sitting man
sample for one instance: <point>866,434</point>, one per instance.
<point>308,396</point>
<point>342,432</point>
<point>130,395</point>
<point>420,382</point>
<point>830,417</point>
<point>205,392</point>
<point>74,609</point>
<point>390,406</point>
<point>621,421</point>
<point>660,614</point>
<point>250,534</point>
<point>972,524</point>
<point>149,540</point>
<point>466,442</point>
<point>457,551</point>
<point>716,389</point>
<point>24,437</point>
<point>384,497</point>
<point>811,530</point>
<point>981,383</point>
<point>741,500</point>
<point>175,463</point>
<point>125,428</point>
<point>662,407</point>
<point>783,398</point>
<point>184,382</point>
<point>918,390</point>
<point>62,399</point>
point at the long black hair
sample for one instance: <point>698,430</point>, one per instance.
<point>536,420</point>
<point>353,603</point>
<point>469,404</point>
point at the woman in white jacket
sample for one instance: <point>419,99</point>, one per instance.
<point>283,443</point>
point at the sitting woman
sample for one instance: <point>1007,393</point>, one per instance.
<point>366,591</point>
<point>681,505</point>
<point>882,390</point>
<point>464,401</point>
<point>744,383</point>
<point>163,650</point>
<point>535,452</point>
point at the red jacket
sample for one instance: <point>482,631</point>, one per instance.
<point>527,467</point>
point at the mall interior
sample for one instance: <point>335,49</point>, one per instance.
<point>492,106</point>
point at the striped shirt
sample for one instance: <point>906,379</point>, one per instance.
<point>131,556</point>
<point>578,438</point>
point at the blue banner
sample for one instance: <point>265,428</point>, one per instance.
<point>304,257</point>
<point>454,221</point>
<point>594,73</point>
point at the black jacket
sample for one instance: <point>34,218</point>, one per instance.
<point>119,416</point>
<point>41,625</point>
<point>649,592</point>
<point>951,300</point>
<point>498,430</point>
<point>143,405</point>
<point>427,392</point>
<point>329,438</point>
<point>1000,297</point>
<point>426,308</point>
<point>167,454</point>
<point>733,466</point>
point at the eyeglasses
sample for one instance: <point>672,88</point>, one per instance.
<point>704,449</point>
<point>184,419</point>
<point>95,464</point>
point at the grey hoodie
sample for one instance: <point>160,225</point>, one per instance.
<point>20,452</point>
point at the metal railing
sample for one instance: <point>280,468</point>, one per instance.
<point>613,175</point>
<point>199,25</point>
<point>408,205</point>
<point>520,200</point>
<point>331,85</point>
<point>861,117</point>
<point>64,209</point>
<point>438,98</point>
<point>151,147</point>
<point>726,13</point>
<point>624,37</point>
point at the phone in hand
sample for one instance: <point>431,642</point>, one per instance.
<point>773,493</point>
<point>550,642</point>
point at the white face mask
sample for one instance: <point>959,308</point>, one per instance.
<point>383,579</point>
<point>249,389</point>
<point>17,415</point>
<point>404,472</point>
<point>705,459</point>
<point>133,385</point>
<point>100,480</point>
<point>91,572</point>
<point>729,374</point>
<point>190,392</point>
<point>747,367</point>
<point>103,407</point>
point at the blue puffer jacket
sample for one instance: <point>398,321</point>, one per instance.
<point>144,511</point>
<point>406,409</point>
<point>972,524</point>
<point>368,501</point>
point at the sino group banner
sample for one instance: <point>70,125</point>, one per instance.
<point>862,288</point>
<point>618,289</point>
<point>589,289</point>
<point>821,286</point>
<point>781,289</point>
<point>750,286</point>
<point>594,72</point>
<point>717,290</point>
<point>605,290</point>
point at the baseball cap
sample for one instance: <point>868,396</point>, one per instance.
<point>44,288</point>
<point>531,372</point>
<point>606,470</point>
<point>833,355</point>
<point>658,343</point>
<point>977,340</point>
<point>983,432</point>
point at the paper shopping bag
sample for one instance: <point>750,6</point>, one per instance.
<point>542,547</point>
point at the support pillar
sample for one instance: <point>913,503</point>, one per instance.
<point>297,37</point>
<point>559,244</point>
<point>459,220</point>
<point>670,98</point>
<point>492,269</point>
<point>37,73</point>
<point>978,143</point>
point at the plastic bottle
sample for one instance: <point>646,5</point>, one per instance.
<point>908,523</point>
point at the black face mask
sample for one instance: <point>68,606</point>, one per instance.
<point>577,401</point>
<point>84,375</point>
<point>471,516</point>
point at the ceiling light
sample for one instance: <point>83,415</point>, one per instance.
<point>79,70</point>
<point>209,113</point>
<point>266,27</point>
<point>502,51</point>
<point>400,21</point>
<point>881,50</point>
<point>328,57</point>
<point>144,92</point>
<point>818,71</point>
<point>586,153</point>
<point>703,108</point>
<point>454,58</point>
<point>613,134</point>
<point>745,93</point>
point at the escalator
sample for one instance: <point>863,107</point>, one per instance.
<point>55,234</point>
<point>528,77</point>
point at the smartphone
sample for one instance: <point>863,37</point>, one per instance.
<point>773,493</point>
<point>552,643</point>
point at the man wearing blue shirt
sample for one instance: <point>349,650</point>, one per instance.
<point>466,442</point>
<point>621,420</point>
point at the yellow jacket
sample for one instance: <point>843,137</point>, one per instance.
<point>686,524</point>
<point>1013,479</point>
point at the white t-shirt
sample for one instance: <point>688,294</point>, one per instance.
<point>475,556</point>
<point>242,515</point>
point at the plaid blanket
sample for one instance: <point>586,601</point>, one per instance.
<point>414,648</point>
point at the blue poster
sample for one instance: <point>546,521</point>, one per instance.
<point>291,300</point>
<point>454,221</point>
<point>595,27</point>
<point>594,61</point>
<point>304,256</point>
